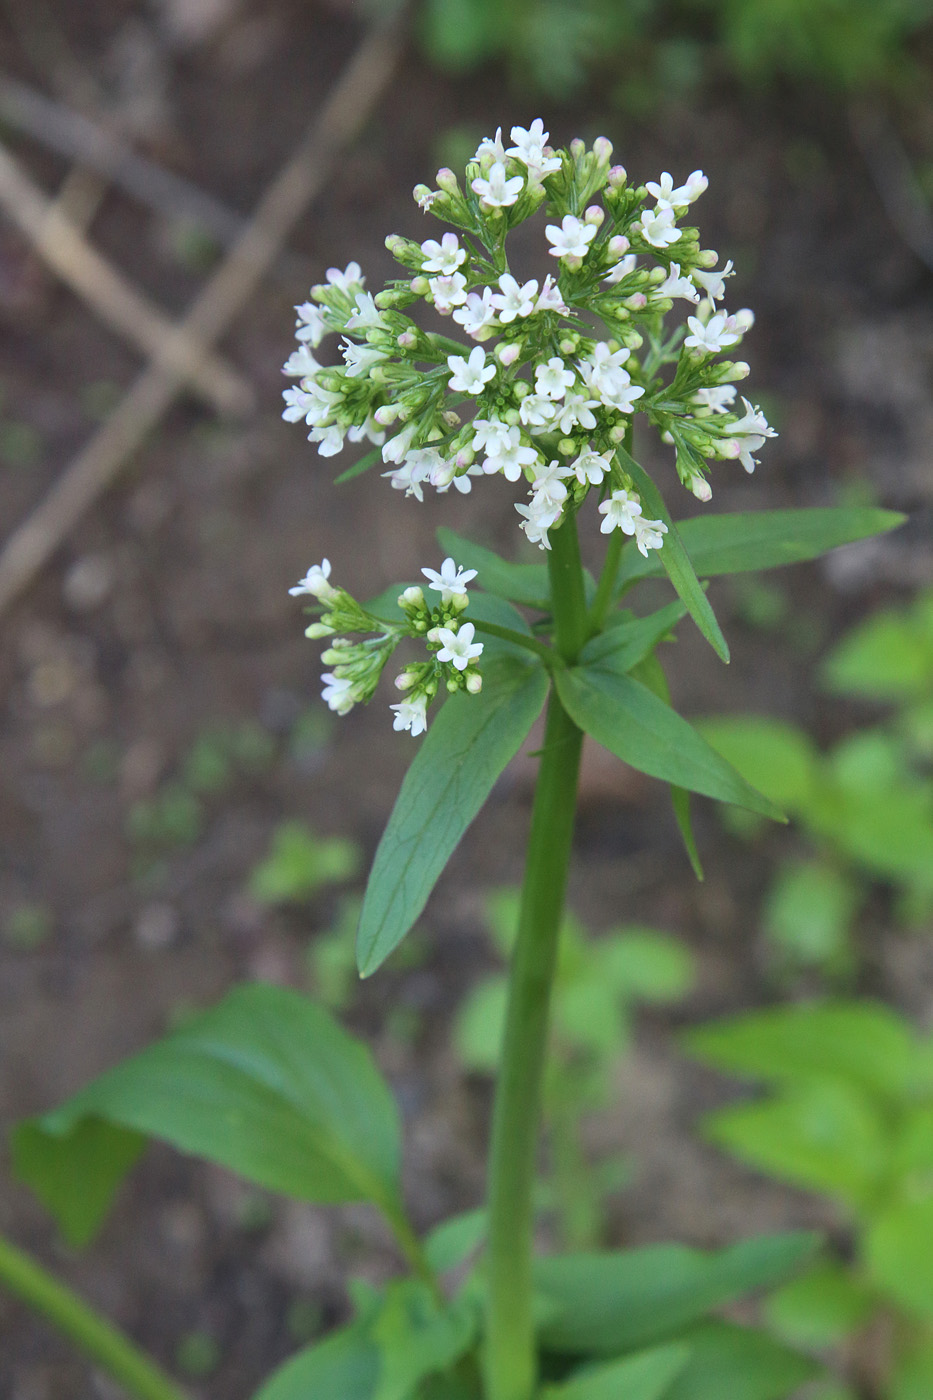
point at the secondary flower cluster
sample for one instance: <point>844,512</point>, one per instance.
<point>552,371</point>
<point>358,664</point>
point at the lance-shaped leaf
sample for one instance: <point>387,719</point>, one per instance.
<point>345,1366</point>
<point>265,1083</point>
<point>644,1376</point>
<point>628,641</point>
<point>766,539</point>
<point>727,1362</point>
<point>626,718</point>
<point>466,748</point>
<point>606,1304</point>
<point>674,557</point>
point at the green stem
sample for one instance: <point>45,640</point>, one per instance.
<point>547,654</point>
<point>510,1362</point>
<point>410,1245</point>
<point>106,1346</point>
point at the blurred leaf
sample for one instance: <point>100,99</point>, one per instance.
<point>300,863</point>
<point>345,1366</point>
<point>738,1363</point>
<point>899,1254</point>
<point>887,657</point>
<point>453,1241</point>
<point>645,964</point>
<point>265,1083</point>
<point>645,1376</point>
<point>480,1024</point>
<point>808,912</point>
<point>466,748</point>
<point>76,1185</point>
<point>774,757</point>
<point>611,1303</point>
<point>823,1306</point>
<point>417,1336</point>
<point>912,1373</point>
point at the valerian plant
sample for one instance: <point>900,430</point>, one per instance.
<point>541,386</point>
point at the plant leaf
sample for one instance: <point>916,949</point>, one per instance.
<point>454,1240</point>
<point>265,1083</point>
<point>623,646</point>
<point>823,1306</point>
<point>897,1250</point>
<point>612,1303</point>
<point>76,1185</point>
<point>739,1363</point>
<point>418,1336</point>
<point>775,757</point>
<point>466,748</point>
<point>745,542</point>
<point>627,719</point>
<point>674,558</point>
<point>369,459</point>
<point>644,1376</point>
<point>345,1366</point>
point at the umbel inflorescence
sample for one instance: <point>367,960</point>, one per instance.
<point>545,375</point>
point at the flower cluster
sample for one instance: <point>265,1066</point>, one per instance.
<point>358,664</point>
<point>548,373</point>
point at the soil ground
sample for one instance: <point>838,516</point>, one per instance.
<point>166,616</point>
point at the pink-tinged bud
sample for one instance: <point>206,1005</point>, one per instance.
<point>419,286</point>
<point>707,257</point>
<point>474,682</point>
<point>507,354</point>
<point>701,488</point>
<point>618,245</point>
<point>618,176</point>
<point>577,148</point>
<point>433,636</point>
<point>386,415</point>
<point>464,458</point>
<point>617,433</point>
<point>740,370</point>
<point>405,681</point>
<point>569,345</point>
<point>729,447</point>
<point>407,340</point>
<point>602,150</point>
<point>411,598</point>
<point>594,215</point>
<point>637,301</point>
<point>447,181</point>
<point>743,320</point>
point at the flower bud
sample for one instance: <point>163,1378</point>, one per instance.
<point>570,344</point>
<point>318,630</point>
<point>432,636</point>
<point>450,419</point>
<point>419,286</point>
<point>602,150</point>
<point>447,181</point>
<point>507,354</point>
<point>577,148</point>
<point>594,215</point>
<point>636,302</point>
<point>700,488</point>
<point>618,177</point>
<point>405,681</point>
<point>707,257</point>
<point>619,244</point>
<point>567,447</point>
<point>453,685</point>
<point>407,340</point>
<point>411,598</point>
<point>474,682</point>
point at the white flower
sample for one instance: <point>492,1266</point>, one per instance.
<point>498,191</point>
<point>576,410</point>
<point>348,280</point>
<point>458,647</point>
<point>310,324</point>
<point>657,227</point>
<point>676,286</point>
<point>470,376</point>
<point>670,198</point>
<point>315,581</point>
<point>451,582</point>
<point>445,256</point>
<point>515,300</point>
<point>553,379</point>
<point>366,316</point>
<point>360,358</point>
<point>548,491</point>
<point>621,511</point>
<point>711,336</point>
<point>411,714</point>
<point>649,534</point>
<point>492,146</point>
<point>329,440</point>
<point>477,313</point>
<point>301,364</point>
<point>717,399</point>
<point>444,474</point>
<point>662,189</point>
<point>550,298</point>
<point>590,467</point>
<point>490,436</point>
<point>299,402</point>
<point>397,448</point>
<point>692,188</point>
<point>510,458</point>
<point>621,269</point>
<point>713,283</point>
<point>537,411</point>
<point>530,146</point>
<point>750,432</point>
<point>414,471</point>
<point>426,198</point>
<point>339,693</point>
<point>571,238</point>
<point>448,291</point>
<point>370,430</point>
<point>535,525</point>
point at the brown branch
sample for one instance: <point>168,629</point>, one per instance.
<point>342,117</point>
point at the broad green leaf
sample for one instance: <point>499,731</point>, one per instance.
<point>822,1307</point>
<point>674,558</point>
<point>454,1240</point>
<point>765,539</point>
<point>912,1372</point>
<point>418,1336</point>
<point>645,1376</point>
<point>300,864</point>
<point>522,583</point>
<point>739,1363</point>
<point>888,657</point>
<point>899,1254</point>
<point>824,1134</point>
<point>860,1041</point>
<point>605,1304</point>
<point>808,913</point>
<point>775,757</point>
<point>345,1366</point>
<point>265,1083</point>
<point>466,748</point>
<point>645,965</point>
<point>621,647</point>
<point>623,716</point>
<point>76,1186</point>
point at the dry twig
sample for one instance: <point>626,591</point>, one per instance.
<point>341,118</point>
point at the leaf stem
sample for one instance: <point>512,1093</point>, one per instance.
<point>103,1343</point>
<point>548,655</point>
<point>510,1360</point>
